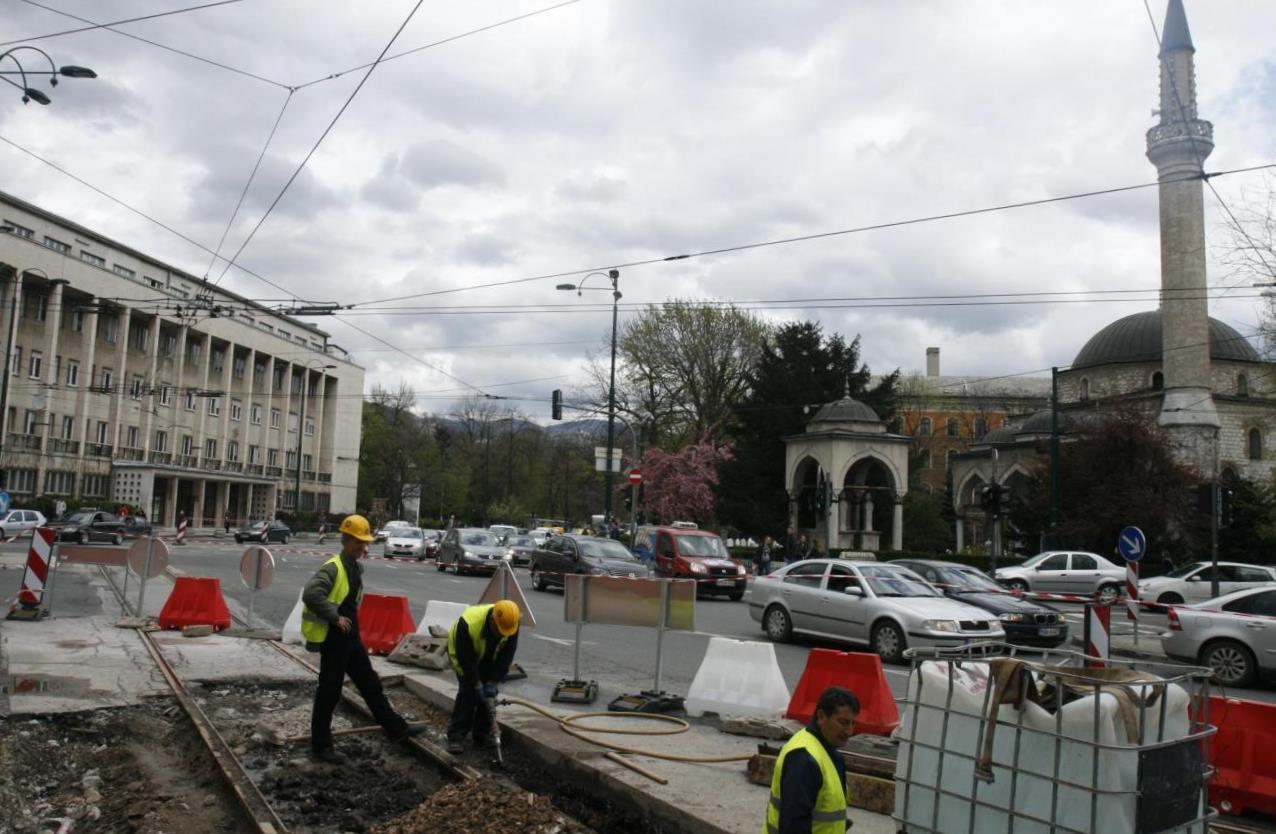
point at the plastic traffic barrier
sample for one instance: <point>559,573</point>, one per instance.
<point>737,677</point>
<point>859,672</point>
<point>1242,752</point>
<point>195,600</point>
<point>383,620</point>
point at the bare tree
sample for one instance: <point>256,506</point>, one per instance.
<point>1250,252</point>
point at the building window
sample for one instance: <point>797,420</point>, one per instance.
<point>133,436</point>
<point>924,427</point>
<point>68,427</point>
<point>924,459</point>
<point>188,445</point>
<point>214,406</point>
<point>307,463</point>
<point>278,381</point>
<point>107,380</point>
<point>153,284</point>
<point>56,245</point>
<point>72,373</point>
<point>290,459</point>
<point>1242,385</point>
<point>123,270</point>
<point>94,486</point>
<point>113,329</point>
<point>296,384</point>
<point>59,483</point>
<point>35,365</point>
<point>193,353</point>
<point>77,321</point>
<point>310,427</point>
<point>165,393</point>
<point>19,231</point>
<point>981,427</point>
<point>1085,387</point>
<point>259,374</point>
<point>89,258</point>
<point>16,367</point>
<point>284,334</point>
<point>254,414</point>
<point>219,360</point>
<point>139,384</point>
<point>168,344</point>
<point>314,387</point>
<point>1158,381</point>
<point>292,422</point>
<point>954,428</point>
<point>236,410</point>
<point>140,333</point>
<point>232,450</point>
<point>103,431</point>
<point>1255,450</point>
<point>237,367</point>
<point>31,422</point>
<point>274,418</point>
<point>254,454</point>
<point>190,399</point>
<point>35,307</point>
<point>161,441</point>
<point>272,457</point>
<point>210,449</point>
<point>22,481</point>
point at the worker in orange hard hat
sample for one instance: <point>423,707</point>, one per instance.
<point>330,624</point>
<point>481,646</point>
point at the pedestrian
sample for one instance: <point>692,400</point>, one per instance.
<point>613,532</point>
<point>226,522</point>
<point>815,551</point>
<point>803,547</point>
<point>762,561</point>
<point>330,625</point>
<point>808,786</point>
<point>481,646</point>
<point>791,545</point>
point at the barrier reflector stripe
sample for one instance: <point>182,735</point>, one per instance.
<point>1098,623</point>
<point>1132,591</point>
<point>37,569</point>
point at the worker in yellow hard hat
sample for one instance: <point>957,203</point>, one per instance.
<point>330,624</point>
<point>481,646</point>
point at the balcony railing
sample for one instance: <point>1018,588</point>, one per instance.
<point>187,461</point>
<point>212,463</point>
<point>64,447</point>
<point>130,454</point>
<point>253,469</point>
<point>325,477</point>
<point>308,474</point>
<point>161,457</point>
<point>23,441</point>
<point>274,472</point>
<point>98,450</point>
<point>234,466</point>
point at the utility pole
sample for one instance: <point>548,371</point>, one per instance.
<point>1051,534</point>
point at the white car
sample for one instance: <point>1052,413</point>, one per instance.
<point>20,522</point>
<point>1193,583</point>
<point>1066,572</point>
<point>405,541</point>
<point>389,528</point>
<point>1234,635</point>
<point>503,531</point>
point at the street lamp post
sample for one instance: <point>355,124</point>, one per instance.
<point>301,433</point>
<point>612,275</point>
<point>30,93</point>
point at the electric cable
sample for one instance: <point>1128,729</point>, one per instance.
<point>169,13</point>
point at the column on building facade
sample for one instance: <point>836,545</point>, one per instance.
<point>148,413</point>
<point>897,525</point>
<point>178,399</point>
<point>86,382</point>
<point>49,373</point>
<point>11,328</point>
<point>317,443</point>
<point>961,534</point>
<point>197,511</point>
<point>867,525</point>
<point>201,409</point>
<point>268,441</point>
<point>286,441</point>
<point>120,372</point>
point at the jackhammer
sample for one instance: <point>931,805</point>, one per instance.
<point>489,698</point>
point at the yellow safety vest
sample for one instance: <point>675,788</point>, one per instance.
<point>474,617</point>
<point>313,627</point>
<point>829,814</point>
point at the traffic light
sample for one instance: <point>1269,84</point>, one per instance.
<point>1003,499</point>
<point>988,496</point>
<point>629,497</point>
<point>1226,506</point>
<point>556,404</point>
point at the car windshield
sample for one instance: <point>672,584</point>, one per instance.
<point>81,518</point>
<point>479,538</point>
<point>411,533</point>
<point>602,549</point>
<point>1179,573</point>
<point>256,525</point>
<point>890,581</point>
<point>710,546</point>
<point>967,580</point>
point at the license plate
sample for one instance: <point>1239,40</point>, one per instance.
<point>726,583</point>
<point>1048,632</point>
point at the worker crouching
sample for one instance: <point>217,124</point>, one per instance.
<point>808,788</point>
<point>481,646</point>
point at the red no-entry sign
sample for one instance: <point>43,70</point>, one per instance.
<point>635,476</point>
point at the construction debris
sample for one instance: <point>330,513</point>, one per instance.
<point>482,807</point>
<point>424,650</point>
<point>758,727</point>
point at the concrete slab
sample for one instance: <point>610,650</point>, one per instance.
<point>712,798</point>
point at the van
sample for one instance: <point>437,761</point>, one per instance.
<point>687,553</point>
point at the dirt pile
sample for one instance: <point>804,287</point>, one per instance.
<point>483,807</point>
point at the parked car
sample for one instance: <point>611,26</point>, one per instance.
<point>1066,572</point>
<point>470,549</point>
<point>563,555</point>
<point>405,541</point>
<point>432,540</point>
<point>279,532</point>
<point>1223,634</point>
<point>390,526</point>
<point>136,526</point>
<point>1026,623</point>
<point>1193,583</point>
<point>519,549</point>
<point>85,527</point>
<point>20,522</point>
<point>540,535</point>
<point>687,553</point>
<point>883,606</point>
<point>503,531</point>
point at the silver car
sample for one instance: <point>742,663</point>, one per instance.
<point>883,606</point>
<point>405,541</point>
<point>1194,582</point>
<point>1235,635</point>
<point>20,522</point>
<point>1066,572</point>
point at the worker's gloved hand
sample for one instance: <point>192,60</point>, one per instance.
<point>488,690</point>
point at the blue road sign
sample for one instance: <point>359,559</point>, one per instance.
<point>4,501</point>
<point>1132,544</point>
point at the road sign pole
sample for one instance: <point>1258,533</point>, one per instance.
<point>1215,499</point>
<point>1132,596</point>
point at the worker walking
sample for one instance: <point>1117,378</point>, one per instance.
<point>808,788</point>
<point>481,646</point>
<point>330,624</point>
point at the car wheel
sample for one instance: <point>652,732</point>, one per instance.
<point>117,539</point>
<point>735,596</point>
<point>1231,662</point>
<point>1170,599</point>
<point>777,624</point>
<point>82,537</point>
<point>888,642</point>
<point>1018,586</point>
<point>538,580</point>
<point>283,539</point>
<point>1109,593</point>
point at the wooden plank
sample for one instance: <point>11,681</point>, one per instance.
<point>872,793</point>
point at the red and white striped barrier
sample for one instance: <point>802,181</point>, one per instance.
<point>265,533</point>
<point>36,575</point>
<point>1132,591</point>
<point>181,531</point>
<point>1098,628</point>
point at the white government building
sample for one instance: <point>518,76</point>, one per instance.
<point>133,382</point>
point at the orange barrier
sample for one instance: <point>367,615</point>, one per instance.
<point>383,620</point>
<point>1242,752</point>
<point>859,672</point>
<point>195,600</point>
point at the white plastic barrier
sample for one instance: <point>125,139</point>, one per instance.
<point>440,613</point>
<point>292,626</point>
<point>738,677</point>
<point>1023,762</point>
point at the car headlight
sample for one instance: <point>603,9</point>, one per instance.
<point>598,571</point>
<point>940,625</point>
<point>696,567</point>
<point>465,554</point>
<point>739,570</point>
<point>1012,618</point>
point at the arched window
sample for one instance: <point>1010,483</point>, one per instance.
<point>1242,385</point>
<point>981,427</point>
<point>1158,381</point>
<point>954,428</point>
<point>1085,388</point>
<point>924,427</point>
<point>1255,444</point>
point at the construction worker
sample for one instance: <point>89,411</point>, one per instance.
<point>808,787</point>
<point>481,646</point>
<point>330,624</point>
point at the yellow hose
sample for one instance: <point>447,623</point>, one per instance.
<point>566,722</point>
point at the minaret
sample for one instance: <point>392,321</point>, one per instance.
<point>1178,146</point>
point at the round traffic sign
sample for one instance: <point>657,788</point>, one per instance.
<point>257,568</point>
<point>635,475</point>
<point>158,557</point>
<point>1132,544</point>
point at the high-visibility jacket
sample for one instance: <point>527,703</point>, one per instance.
<point>475,619</point>
<point>315,628</point>
<point>829,814</point>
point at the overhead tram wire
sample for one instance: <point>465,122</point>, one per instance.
<point>892,224</point>
<point>169,13</point>
<point>319,141</point>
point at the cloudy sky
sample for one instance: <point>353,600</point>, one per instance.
<point>607,132</point>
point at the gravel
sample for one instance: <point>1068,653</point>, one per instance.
<point>482,807</point>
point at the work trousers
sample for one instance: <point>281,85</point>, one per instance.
<point>341,655</point>
<point>469,714</point>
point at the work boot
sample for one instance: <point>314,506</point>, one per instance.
<point>455,746</point>
<point>327,755</point>
<point>408,732</point>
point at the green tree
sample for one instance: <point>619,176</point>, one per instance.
<point>1251,536</point>
<point>799,369</point>
<point>925,530</point>
<point>395,449</point>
